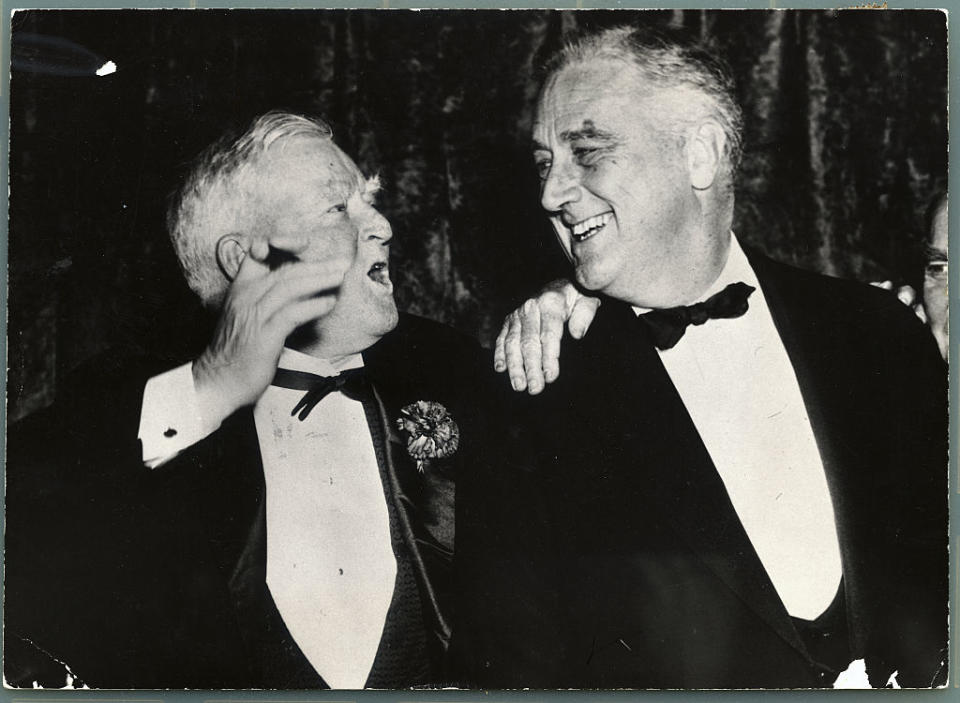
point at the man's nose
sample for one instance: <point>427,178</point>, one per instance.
<point>560,187</point>
<point>376,228</point>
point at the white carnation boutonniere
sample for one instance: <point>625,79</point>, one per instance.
<point>431,431</point>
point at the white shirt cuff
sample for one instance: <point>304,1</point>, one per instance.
<point>170,417</point>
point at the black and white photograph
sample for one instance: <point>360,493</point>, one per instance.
<point>477,349</point>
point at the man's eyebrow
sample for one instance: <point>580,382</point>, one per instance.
<point>587,131</point>
<point>934,253</point>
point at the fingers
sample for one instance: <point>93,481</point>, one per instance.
<point>886,285</point>
<point>552,316</point>
<point>907,295</point>
<point>259,294</point>
<point>250,269</point>
<point>256,260</point>
<point>579,309</point>
<point>531,350</point>
<point>292,283</point>
<point>499,355</point>
<point>557,285</point>
<point>581,317</point>
<point>512,354</point>
<point>291,244</point>
<point>528,346</point>
<point>300,313</point>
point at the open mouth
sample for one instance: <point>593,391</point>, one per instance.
<point>379,273</point>
<point>583,230</point>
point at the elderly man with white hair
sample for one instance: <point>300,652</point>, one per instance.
<point>286,518</point>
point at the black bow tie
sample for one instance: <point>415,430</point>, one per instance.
<point>667,326</point>
<point>351,382</point>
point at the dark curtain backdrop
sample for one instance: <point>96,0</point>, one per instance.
<point>845,140</point>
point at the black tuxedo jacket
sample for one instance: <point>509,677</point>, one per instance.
<point>140,578</point>
<point>606,552</point>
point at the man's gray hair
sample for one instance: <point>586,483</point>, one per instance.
<point>211,202</point>
<point>666,60</point>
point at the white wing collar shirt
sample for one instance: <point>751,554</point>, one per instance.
<point>740,389</point>
<point>330,563</point>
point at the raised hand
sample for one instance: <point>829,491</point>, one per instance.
<point>263,306</point>
<point>528,346</point>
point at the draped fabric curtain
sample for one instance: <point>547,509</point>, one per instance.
<point>845,141</point>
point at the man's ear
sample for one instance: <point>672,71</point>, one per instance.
<point>704,154</point>
<point>231,250</point>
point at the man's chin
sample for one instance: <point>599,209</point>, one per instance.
<point>378,318</point>
<point>590,281</point>
<point>347,329</point>
<point>390,319</point>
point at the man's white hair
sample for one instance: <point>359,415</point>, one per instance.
<point>700,79</point>
<point>211,202</point>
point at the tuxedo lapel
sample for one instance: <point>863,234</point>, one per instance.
<point>274,660</point>
<point>240,535</point>
<point>818,362</point>
<point>430,557</point>
<point>401,471</point>
<point>665,465</point>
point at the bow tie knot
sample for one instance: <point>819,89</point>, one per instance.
<point>667,326</point>
<point>351,382</point>
<point>697,314</point>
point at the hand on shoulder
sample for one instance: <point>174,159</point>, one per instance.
<point>528,346</point>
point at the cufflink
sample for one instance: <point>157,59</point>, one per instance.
<point>170,432</point>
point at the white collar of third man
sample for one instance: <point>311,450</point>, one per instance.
<point>737,268</point>
<point>298,361</point>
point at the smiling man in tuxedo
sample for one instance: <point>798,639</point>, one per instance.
<point>739,478</point>
<point>286,518</point>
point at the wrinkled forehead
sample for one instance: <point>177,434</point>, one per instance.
<point>597,90</point>
<point>291,184</point>
<point>306,161</point>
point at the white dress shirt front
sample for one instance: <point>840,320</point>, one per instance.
<point>330,563</point>
<point>740,389</point>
